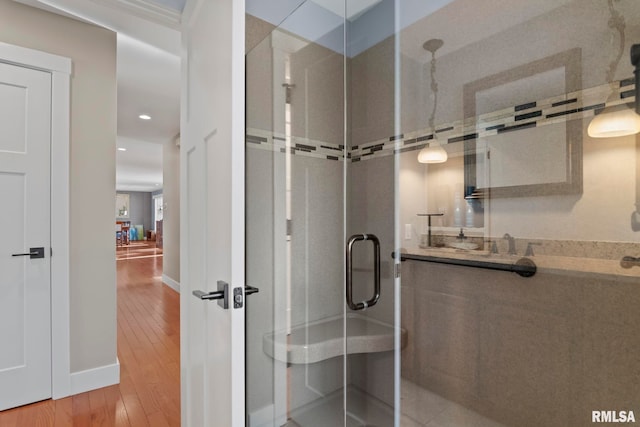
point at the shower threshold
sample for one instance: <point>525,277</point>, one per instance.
<point>327,411</point>
<point>419,408</point>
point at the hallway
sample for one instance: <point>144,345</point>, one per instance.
<point>149,354</point>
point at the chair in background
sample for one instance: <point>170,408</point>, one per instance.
<point>118,234</point>
<point>122,232</point>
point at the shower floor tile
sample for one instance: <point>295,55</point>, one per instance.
<point>431,410</point>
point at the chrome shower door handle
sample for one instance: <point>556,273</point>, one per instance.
<point>376,271</point>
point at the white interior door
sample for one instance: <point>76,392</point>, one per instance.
<point>212,202</point>
<point>25,291</point>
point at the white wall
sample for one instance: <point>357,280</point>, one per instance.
<point>92,174</point>
<point>171,213</point>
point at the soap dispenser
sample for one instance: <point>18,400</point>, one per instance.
<point>457,209</point>
<point>469,216</point>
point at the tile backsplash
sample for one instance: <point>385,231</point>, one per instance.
<point>547,247</point>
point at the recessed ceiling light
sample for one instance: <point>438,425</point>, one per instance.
<point>145,117</point>
<point>122,149</point>
<point>157,185</point>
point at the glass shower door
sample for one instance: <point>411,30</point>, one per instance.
<point>519,273</point>
<point>311,359</point>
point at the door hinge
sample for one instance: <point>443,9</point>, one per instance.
<point>289,227</point>
<point>50,252</point>
<point>397,270</point>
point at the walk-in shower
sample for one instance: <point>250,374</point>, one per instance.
<point>497,288</point>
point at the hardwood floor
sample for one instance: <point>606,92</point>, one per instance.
<point>149,354</point>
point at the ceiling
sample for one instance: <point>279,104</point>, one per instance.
<point>140,167</point>
<point>148,73</point>
<point>148,83</point>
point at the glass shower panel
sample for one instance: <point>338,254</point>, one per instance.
<point>266,393</point>
<point>521,283</point>
<point>373,334</point>
<point>311,359</point>
<point>295,220</point>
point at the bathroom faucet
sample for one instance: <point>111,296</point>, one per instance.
<point>529,251</point>
<point>429,225</point>
<point>461,236</point>
<point>512,244</point>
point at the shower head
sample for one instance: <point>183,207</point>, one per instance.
<point>432,45</point>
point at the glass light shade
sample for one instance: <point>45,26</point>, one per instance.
<point>433,153</point>
<point>619,120</point>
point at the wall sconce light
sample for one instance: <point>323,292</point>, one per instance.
<point>622,119</point>
<point>618,120</point>
<point>434,152</point>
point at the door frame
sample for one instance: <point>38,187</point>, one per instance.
<point>60,69</point>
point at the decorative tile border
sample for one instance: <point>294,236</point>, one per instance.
<point>269,141</point>
<point>575,105</point>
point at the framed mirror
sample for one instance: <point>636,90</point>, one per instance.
<point>523,146</point>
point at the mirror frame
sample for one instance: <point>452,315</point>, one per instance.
<point>571,61</point>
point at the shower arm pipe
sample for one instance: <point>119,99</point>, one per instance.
<point>523,267</point>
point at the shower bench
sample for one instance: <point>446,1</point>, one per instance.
<point>323,339</point>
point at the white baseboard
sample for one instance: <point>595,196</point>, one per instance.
<point>171,283</point>
<point>95,378</point>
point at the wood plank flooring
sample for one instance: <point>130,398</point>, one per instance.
<point>149,354</point>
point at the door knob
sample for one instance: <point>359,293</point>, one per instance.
<point>34,253</point>
<point>222,294</point>
<point>248,290</point>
